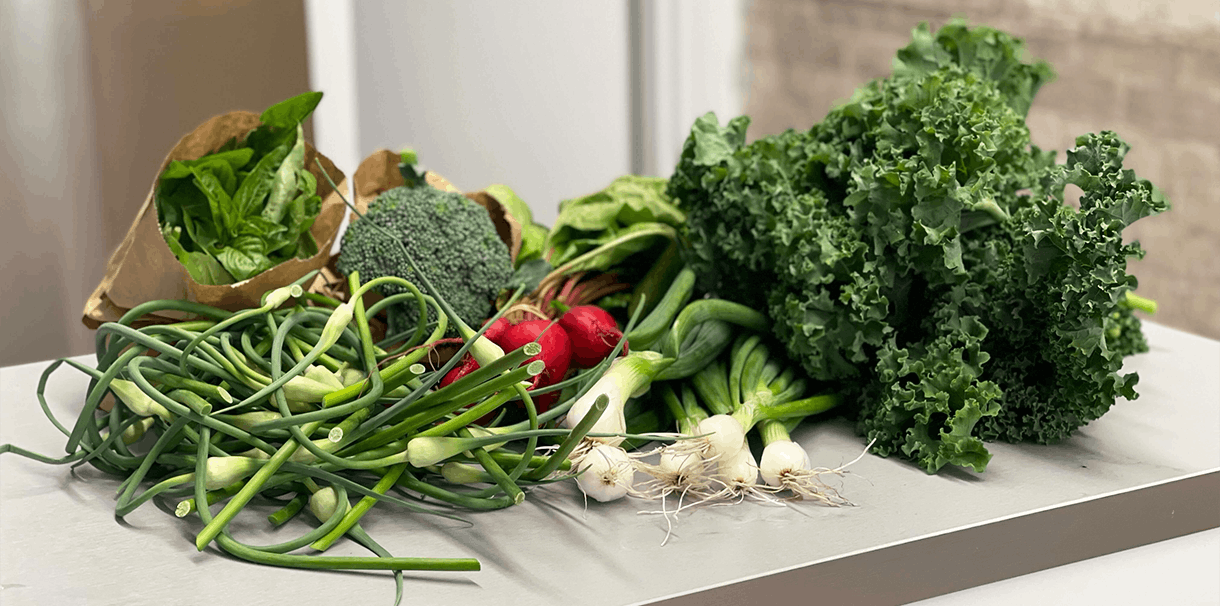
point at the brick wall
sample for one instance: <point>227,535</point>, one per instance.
<point>1148,70</point>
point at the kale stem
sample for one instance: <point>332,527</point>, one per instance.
<point>1134,301</point>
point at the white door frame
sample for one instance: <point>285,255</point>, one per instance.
<point>689,58</point>
<point>330,27</point>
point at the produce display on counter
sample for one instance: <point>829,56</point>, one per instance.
<point>909,262</point>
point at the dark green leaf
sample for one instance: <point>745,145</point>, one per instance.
<point>243,265</point>
<point>533,239</point>
<point>254,225</point>
<point>290,112</point>
<point>252,193</point>
<point>306,247</point>
<point>202,267</point>
<point>629,204</point>
<point>529,274</point>
<point>250,244</point>
<point>229,145</point>
<point>714,144</point>
<point>224,215</point>
<point>233,159</point>
<point>285,184</point>
<point>279,123</point>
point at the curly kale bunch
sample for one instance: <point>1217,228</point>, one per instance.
<point>450,238</point>
<point>920,255</point>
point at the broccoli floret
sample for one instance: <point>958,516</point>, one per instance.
<point>451,240</point>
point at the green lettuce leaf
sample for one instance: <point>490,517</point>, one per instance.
<point>630,206</point>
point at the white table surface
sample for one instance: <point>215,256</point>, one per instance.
<point>60,544</point>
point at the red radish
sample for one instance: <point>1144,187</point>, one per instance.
<point>496,330</point>
<point>465,367</point>
<point>543,402</point>
<point>468,363</point>
<point>594,334</point>
<point>556,353</point>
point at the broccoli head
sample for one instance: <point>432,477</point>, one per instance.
<point>450,238</point>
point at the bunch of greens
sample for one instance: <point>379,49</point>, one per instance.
<point>301,408</point>
<point>631,215</point>
<point>628,231</point>
<point>918,254</point>
<point>246,207</point>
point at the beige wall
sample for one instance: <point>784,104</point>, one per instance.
<point>162,67</point>
<point>1147,70</point>
<point>95,93</point>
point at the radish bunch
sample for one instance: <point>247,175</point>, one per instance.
<point>582,337</point>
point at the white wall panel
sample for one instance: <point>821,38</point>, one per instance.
<point>533,94</point>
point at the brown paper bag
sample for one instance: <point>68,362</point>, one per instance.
<point>143,268</point>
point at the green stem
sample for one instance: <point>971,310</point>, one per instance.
<point>686,411</point>
<point>772,431</point>
<point>167,439</point>
<point>1143,304</point>
<point>572,440</point>
<point>137,377</point>
<point>410,482</point>
<point>511,490</point>
<point>417,393</point>
<point>712,309</point>
<point>798,409</point>
<point>248,553</point>
<point>281,516</point>
<point>248,314</point>
<point>356,512</point>
<point>658,229</point>
<point>461,388</point>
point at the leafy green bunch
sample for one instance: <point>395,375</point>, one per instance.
<point>246,207</point>
<point>632,212</point>
<point>919,254</point>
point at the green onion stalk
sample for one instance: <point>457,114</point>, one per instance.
<point>748,388</point>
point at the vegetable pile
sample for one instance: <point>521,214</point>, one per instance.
<point>300,406</point>
<point>920,257</point>
<point>248,206</point>
<point>910,261</point>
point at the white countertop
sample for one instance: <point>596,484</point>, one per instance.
<point>910,536</point>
